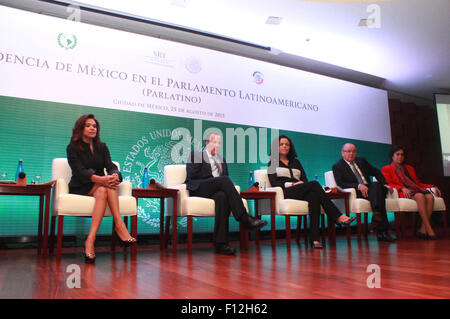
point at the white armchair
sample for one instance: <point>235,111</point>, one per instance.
<point>66,204</point>
<point>188,206</point>
<point>407,205</point>
<point>361,205</point>
<point>283,206</point>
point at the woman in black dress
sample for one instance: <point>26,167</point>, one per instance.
<point>88,157</point>
<point>287,169</point>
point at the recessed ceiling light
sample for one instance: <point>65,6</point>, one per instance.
<point>180,3</point>
<point>274,20</point>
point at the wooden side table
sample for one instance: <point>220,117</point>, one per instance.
<point>256,195</point>
<point>162,193</point>
<point>43,191</point>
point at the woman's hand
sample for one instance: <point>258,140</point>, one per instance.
<point>110,181</point>
<point>113,181</point>
<point>407,192</point>
<point>437,192</point>
<point>116,178</point>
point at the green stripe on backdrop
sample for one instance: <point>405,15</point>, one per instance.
<point>38,131</point>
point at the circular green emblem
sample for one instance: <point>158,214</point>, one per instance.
<point>67,41</point>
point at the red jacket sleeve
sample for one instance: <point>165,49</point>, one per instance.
<point>391,178</point>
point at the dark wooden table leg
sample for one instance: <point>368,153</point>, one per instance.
<point>46,220</point>
<point>134,234</point>
<point>272,221</point>
<point>259,217</point>
<point>41,217</point>
<point>162,238</point>
<point>167,231</point>
<point>52,235</point>
<point>189,231</point>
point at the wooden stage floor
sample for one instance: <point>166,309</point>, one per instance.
<point>410,268</point>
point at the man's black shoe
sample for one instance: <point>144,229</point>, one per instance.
<point>253,223</point>
<point>225,250</point>
<point>385,236</point>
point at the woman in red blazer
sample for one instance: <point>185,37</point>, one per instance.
<point>403,177</point>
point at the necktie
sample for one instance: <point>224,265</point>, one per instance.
<point>218,166</point>
<point>355,171</point>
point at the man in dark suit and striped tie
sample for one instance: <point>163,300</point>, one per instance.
<point>355,172</point>
<point>207,176</point>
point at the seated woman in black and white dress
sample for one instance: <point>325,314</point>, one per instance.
<point>291,177</point>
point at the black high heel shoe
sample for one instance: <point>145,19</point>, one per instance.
<point>422,235</point>
<point>89,258</point>
<point>125,243</point>
<point>347,222</point>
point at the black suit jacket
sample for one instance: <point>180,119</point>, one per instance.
<point>199,169</point>
<point>345,177</point>
<point>83,164</point>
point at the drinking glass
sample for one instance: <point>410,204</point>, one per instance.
<point>38,178</point>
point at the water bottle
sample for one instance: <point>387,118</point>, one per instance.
<point>19,169</point>
<point>316,178</point>
<point>251,179</point>
<point>145,178</point>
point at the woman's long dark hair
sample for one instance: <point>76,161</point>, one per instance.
<point>77,131</point>
<point>275,149</point>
